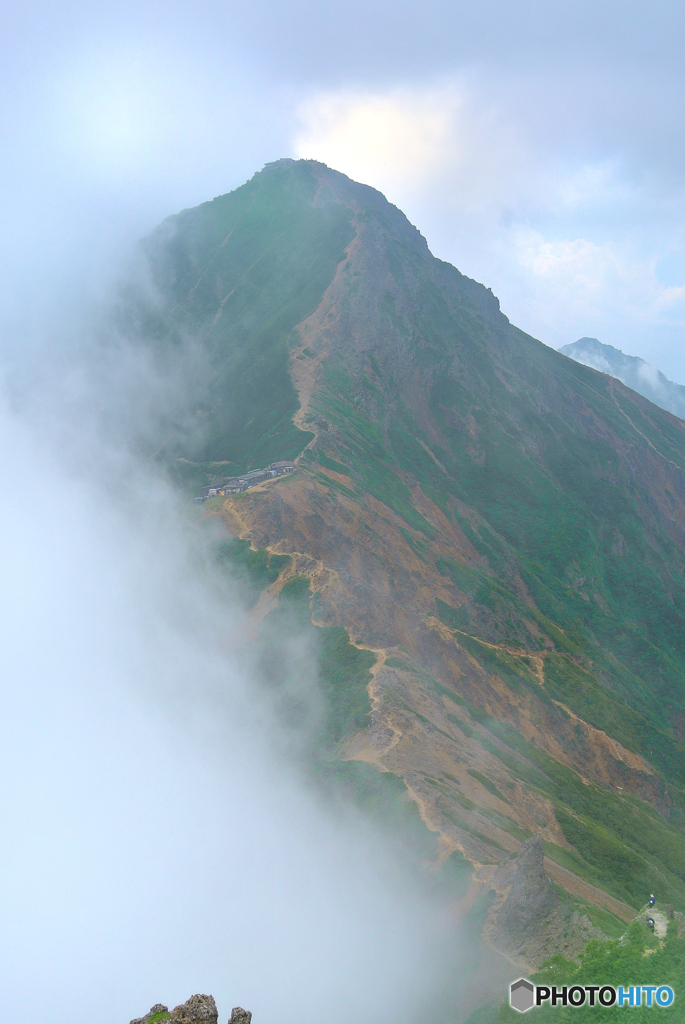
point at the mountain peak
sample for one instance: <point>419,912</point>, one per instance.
<point>632,371</point>
<point>363,200</point>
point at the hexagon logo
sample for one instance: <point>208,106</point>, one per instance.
<point>521,995</point>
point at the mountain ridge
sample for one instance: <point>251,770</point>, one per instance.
<point>502,527</point>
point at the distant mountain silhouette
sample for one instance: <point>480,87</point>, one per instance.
<point>631,370</point>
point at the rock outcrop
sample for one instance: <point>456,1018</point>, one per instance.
<point>240,1016</point>
<point>199,1009</point>
<point>529,921</point>
<point>155,1013</point>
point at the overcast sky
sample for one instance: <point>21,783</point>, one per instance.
<point>538,145</point>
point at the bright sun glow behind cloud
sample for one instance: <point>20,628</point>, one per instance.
<point>405,141</point>
<point>458,158</point>
<point>120,112</point>
<point>392,141</point>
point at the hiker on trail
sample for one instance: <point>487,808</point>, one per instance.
<point>652,900</point>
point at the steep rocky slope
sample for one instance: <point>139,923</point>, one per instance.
<point>529,920</point>
<point>502,528</point>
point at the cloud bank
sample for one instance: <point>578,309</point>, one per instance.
<point>157,836</point>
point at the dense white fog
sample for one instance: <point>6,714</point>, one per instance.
<point>157,837</point>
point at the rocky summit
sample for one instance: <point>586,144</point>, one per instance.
<point>483,540</point>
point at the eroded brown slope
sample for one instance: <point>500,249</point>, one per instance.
<point>372,583</point>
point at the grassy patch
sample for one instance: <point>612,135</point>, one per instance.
<point>239,273</point>
<point>616,864</point>
<point>620,845</point>
<point>335,485</point>
<point>486,784</point>
<point>506,823</point>
<point>398,663</point>
<point>613,963</point>
<point>455,720</point>
<point>465,579</point>
<point>329,463</point>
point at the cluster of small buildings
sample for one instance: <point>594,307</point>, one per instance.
<point>236,484</point>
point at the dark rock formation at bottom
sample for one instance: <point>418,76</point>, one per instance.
<point>240,1016</point>
<point>199,1009</point>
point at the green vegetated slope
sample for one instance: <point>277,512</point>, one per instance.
<point>569,490</point>
<point>563,482</point>
<point>568,486</point>
<point>637,959</point>
<point>620,844</point>
<point>234,277</point>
